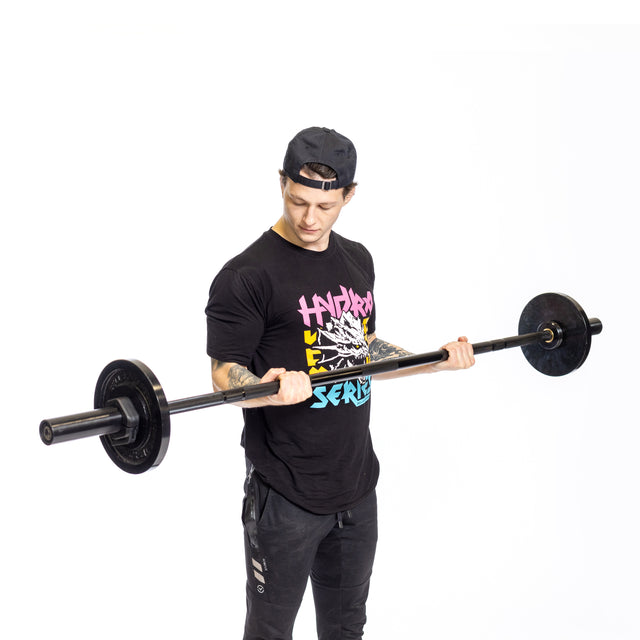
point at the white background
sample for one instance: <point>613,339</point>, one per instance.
<point>499,158</point>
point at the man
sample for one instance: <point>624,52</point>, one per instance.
<point>297,301</point>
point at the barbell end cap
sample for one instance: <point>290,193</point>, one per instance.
<point>596,326</point>
<point>46,432</point>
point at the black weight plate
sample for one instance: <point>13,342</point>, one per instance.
<point>134,380</point>
<point>576,340</point>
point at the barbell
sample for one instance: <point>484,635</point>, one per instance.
<point>132,414</point>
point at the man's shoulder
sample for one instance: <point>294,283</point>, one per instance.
<point>352,248</point>
<point>254,255</point>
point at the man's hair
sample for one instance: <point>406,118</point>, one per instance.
<point>318,171</point>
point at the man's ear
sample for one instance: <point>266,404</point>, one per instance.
<point>350,195</point>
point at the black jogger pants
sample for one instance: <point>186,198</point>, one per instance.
<point>285,545</point>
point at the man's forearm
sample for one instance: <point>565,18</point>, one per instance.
<point>228,375</point>
<point>238,376</point>
<point>382,350</point>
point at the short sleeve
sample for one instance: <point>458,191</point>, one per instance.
<point>235,317</point>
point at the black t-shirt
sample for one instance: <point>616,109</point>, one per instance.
<point>279,305</point>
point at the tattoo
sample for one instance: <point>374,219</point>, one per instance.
<point>241,377</point>
<point>237,376</point>
<point>381,350</point>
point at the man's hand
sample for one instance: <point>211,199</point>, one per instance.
<point>460,356</point>
<point>295,386</point>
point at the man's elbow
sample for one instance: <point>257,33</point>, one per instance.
<point>219,374</point>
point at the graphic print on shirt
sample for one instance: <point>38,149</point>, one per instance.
<point>336,337</point>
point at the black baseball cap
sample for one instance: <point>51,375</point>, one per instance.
<point>324,146</point>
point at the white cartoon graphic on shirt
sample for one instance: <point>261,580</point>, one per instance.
<point>343,343</point>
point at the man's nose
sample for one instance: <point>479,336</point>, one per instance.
<point>310,214</point>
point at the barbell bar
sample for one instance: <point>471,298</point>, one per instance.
<point>132,414</point>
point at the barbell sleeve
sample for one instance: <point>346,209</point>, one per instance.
<point>99,422</point>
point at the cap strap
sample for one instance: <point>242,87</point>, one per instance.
<point>325,185</point>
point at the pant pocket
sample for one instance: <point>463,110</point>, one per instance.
<point>256,494</point>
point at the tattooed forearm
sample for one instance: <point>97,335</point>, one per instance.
<point>229,375</point>
<point>241,377</point>
<point>381,350</point>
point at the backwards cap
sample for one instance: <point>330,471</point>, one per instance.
<point>324,146</point>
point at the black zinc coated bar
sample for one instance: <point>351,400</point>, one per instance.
<point>109,420</point>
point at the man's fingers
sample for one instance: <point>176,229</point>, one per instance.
<point>295,386</point>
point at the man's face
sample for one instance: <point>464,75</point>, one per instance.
<point>309,215</point>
